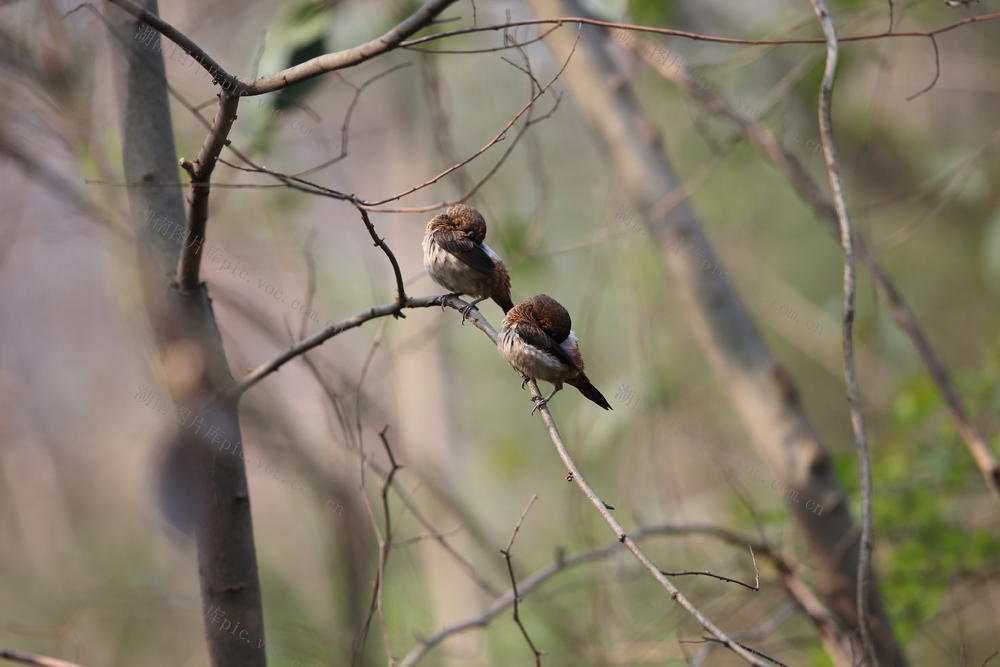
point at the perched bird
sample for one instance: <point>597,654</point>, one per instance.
<point>456,258</point>
<point>536,339</point>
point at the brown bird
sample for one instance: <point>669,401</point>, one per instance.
<point>536,339</point>
<point>456,258</point>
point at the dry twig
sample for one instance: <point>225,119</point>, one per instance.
<point>513,582</point>
<point>850,372</point>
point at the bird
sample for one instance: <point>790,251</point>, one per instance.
<point>537,340</point>
<point>456,258</point>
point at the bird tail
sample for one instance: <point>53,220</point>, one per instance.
<point>503,300</point>
<point>590,391</point>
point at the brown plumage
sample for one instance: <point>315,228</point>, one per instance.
<point>536,338</point>
<point>458,259</point>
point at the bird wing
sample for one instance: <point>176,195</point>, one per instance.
<point>536,336</point>
<point>467,251</point>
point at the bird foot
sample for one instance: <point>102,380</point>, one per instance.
<point>467,312</point>
<point>540,402</point>
<point>450,295</point>
<point>525,379</point>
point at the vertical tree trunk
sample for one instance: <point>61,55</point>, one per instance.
<point>763,393</point>
<point>185,324</point>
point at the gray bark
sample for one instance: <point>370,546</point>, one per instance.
<point>227,561</point>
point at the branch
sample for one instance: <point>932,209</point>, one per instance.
<point>34,659</point>
<point>188,265</point>
<point>755,586</point>
<point>630,544</point>
<point>850,279</point>
<point>694,35</point>
<point>303,346</point>
<point>535,580</point>
<point>500,136</point>
<point>380,242</point>
<point>327,62</point>
<point>385,545</point>
<point>513,583</point>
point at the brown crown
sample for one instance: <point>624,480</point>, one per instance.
<point>460,218</point>
<point>547,313</point>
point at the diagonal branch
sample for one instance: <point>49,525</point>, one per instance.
<point>630,543</point>
<point>34,659</point>
<point>850,287</point>
<point>394,308</point>
<point>188,265</point>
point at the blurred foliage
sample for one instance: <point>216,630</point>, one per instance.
<point>929,532</point>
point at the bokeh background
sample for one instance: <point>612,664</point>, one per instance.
<point>91,571</point>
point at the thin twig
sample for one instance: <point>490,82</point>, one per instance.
<point>937,71</point>
<point>34,659</point>
<point>752,650</point>
<point>694,35</point>
<point>755,586</point>
<point>535,580</point>
<point>500,136</point>
<point>513,582</point>
<point>345,126</point>
<point>437,535</point>
<point>850,372</point>
<point>630,544</point>
<point>380,242</point>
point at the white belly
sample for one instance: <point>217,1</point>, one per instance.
<point>532,361</point>
<point>451,273</point>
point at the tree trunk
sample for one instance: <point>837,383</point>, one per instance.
<point>185,332</point>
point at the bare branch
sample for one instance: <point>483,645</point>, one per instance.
<point>500,136</point>
<point>380,242</point>
<point>188,265</point>
<point>755,586</point>
<point>34,659</point>
<point>694,35</point>
<point>850,280</point>
<point>513,582</point>
<point>937,71</point>
<point>535,580</point>
<point>329,332</point>
<point>576,475</point>
<point>752,650</point>
<point>327,62</point>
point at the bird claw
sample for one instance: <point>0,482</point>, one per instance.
<point>450,295</point>
<point>525,379</point>
<point>540,402</point>
<point>467,312</point>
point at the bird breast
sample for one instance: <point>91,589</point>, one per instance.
<point>535,362</point>
<point>452,273</point>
